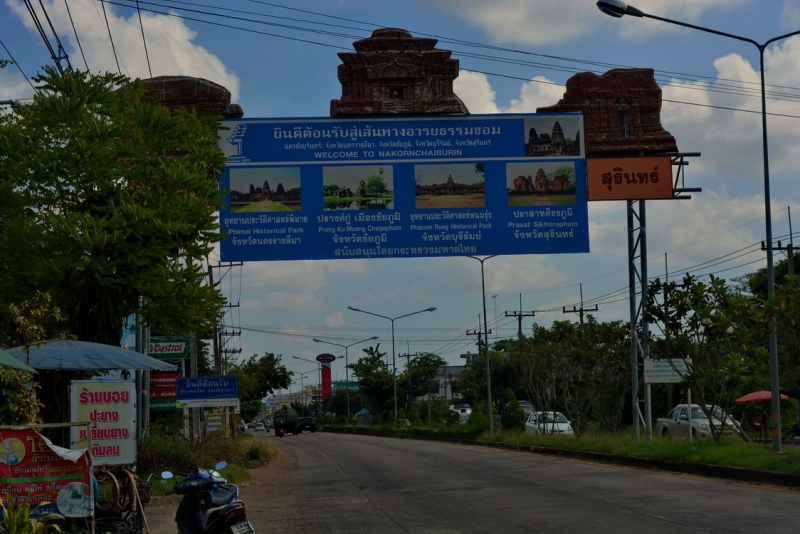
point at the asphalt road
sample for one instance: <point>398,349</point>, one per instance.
<point>341,483</point>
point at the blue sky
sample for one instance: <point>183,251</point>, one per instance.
<point>279,60</point>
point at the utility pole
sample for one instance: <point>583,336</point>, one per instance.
<point>519,317</point>
<point>580,311</point>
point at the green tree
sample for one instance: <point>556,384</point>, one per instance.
<point>106,197</point>
<point>513,417</point>
<point>250,409</point>
<point>375,186</point>
<point>568,172</point>
<point>714,332</point>
<point>260,375</point>
<point>375,382</point>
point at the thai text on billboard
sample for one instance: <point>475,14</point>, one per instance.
<point>328,188</point>
<point>647,178</point>
<point>111,407</point>
<point>48,478</point>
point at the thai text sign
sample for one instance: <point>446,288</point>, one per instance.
<point>34,471</point>
<point>207,391</point>
<point>665,371</point>
<point>327,188</point>
<point>629,178</point>
<point>169,348</point>
<point>162,388</point>
<point>111,407</point>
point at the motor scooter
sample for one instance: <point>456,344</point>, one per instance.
<point>209,504</point>
<point>279,430</point>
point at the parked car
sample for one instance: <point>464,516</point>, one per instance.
<point>463,411</point>
<point>307,423</point>
<point>549,423</point>
<point>260,426</point>
<point>676,423</point>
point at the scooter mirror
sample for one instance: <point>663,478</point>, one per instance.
<point>166,475</point>
<point>221,465</point>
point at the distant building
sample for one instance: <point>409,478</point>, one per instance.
<point>541,183</point>
<point>555,144</point>
<point>451,187</point>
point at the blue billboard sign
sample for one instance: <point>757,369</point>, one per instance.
<point>380,187</point>
<point>207,387</point>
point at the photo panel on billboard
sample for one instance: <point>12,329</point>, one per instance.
<point>403,187</point>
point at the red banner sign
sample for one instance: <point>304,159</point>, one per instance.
<point>34,471</point>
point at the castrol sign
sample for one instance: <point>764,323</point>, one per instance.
<point>326,358</point>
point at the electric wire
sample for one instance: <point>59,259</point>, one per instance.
<point>62,54</point>
<point>144,41</point>
<point>110,38</point>
<point>528,80</point>
<point>18,67</point>
<point>77,39</point>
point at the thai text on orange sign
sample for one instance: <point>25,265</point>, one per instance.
<point>629,178</point>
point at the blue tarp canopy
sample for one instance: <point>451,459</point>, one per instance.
<point>69,355</point>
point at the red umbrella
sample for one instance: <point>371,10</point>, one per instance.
<point>758,396</point>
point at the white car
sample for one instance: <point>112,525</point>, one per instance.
<point>549,423</point>
<point>260,426</point>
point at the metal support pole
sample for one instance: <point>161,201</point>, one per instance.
<point>632,302</point>
<point>645,341</point>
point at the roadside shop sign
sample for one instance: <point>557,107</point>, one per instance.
<point>46,477</point>
<point>162,388</point>
<point>170,348</point>
<point>412,186</point>
<point>111,407</point>
<point>207,391</point>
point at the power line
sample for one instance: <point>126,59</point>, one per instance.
<point>110,38</point>
<point>77,39</point>
<point>18,67</point>
<point>144,41</point>
<point>746,92</point>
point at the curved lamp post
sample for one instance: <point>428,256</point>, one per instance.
<point>319,369</point>
<point>303,391</point>
<point>617,9</point>
<point>486,342</point>
<point>394,365</point>
<point>346,363</point>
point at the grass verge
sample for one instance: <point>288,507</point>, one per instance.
<point>170,453</point>
<point>728,452</point>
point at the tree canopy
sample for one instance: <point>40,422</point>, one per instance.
<point>106,198</point>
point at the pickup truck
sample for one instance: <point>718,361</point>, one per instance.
<point>676,423</point>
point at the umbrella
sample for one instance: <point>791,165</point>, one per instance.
<point>69,355</point>
<point>758,396</point>
<point>7,360</point>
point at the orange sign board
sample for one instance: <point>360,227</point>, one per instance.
<point>629,178</point>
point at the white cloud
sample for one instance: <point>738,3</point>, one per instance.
<point>730,140</point>
<point>790,16</point>
<point>335,320</point>
<point>474,89</point>
<point>548,22</point>
<point>169,42</point>
<point>476,92</point>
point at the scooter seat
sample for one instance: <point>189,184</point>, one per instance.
<point>223,495</point>
<point>213,513</point>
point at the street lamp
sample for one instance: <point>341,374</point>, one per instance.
<point>394,365</point>
<point>346,369</point>
<point>319,369</point>
<point>486,343</point>
<point>303,391</point>
<point>617,9</point>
